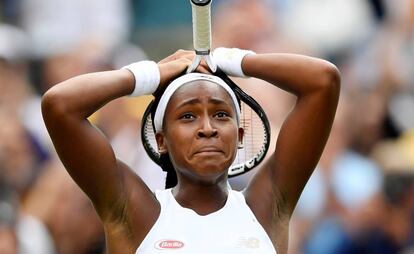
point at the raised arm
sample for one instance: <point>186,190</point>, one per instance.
<point>275,189</point>
<point>84,150</point>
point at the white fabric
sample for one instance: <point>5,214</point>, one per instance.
<point>14,44</point>
<point>33,236</point>
<point>30,114</point>
<point>147,77</point>
<point>232,229</point>
<point>177,83</point>
<point>230,60</point>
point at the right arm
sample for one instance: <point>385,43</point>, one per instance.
<point>84,150</point>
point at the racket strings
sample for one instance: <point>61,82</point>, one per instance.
<point>149,136</point>
<point>254,134</point>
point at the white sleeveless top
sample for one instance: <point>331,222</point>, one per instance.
<point>232,229</point>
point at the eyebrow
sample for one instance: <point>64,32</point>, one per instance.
<point>215,101</point>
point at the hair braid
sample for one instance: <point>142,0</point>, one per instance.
<point>168,167</point>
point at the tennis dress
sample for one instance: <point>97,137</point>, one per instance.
<point>232,229</point>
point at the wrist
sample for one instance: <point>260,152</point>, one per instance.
<point>230,60</point>
<point>146,75</point>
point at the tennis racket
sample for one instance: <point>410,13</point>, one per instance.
<point>253,120</point>
<point>201,10</point>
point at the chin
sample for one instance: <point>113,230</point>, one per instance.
<point>210,178</point>
<point>207,168</point>
<point>210,168</point>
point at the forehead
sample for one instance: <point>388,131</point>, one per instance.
<point>200,89</point>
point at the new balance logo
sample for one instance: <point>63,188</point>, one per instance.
<point>250,243</point>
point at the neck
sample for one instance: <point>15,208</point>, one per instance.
<point>203,199</point>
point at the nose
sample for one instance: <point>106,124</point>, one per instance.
<point>206,130</point>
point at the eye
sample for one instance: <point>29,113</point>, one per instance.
<point>187,116</point>
<point>221,114</point>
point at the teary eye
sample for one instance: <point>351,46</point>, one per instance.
<point>187,116</point>
<point>221,114</point>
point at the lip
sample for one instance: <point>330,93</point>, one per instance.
<point>207,150</point>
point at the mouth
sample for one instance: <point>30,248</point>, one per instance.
<point>209,150</point>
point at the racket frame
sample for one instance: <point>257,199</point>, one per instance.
<point>235,169</point>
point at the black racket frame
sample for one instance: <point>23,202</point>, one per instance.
<point>243,96</point>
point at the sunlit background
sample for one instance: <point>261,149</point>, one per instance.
<point>360,198</point>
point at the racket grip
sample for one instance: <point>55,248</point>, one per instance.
<point>201,10</point>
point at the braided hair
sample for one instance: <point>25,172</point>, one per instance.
<point>165,161</point>
<point>168,167</point>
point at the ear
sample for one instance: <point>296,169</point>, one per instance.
<point>241,135</point>
<point>162,146</point>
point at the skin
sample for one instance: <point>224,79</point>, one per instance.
<point>203,116</point>
<point>8,240</point>
<point>126,206</point>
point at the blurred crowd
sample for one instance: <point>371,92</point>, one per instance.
<point>360,198</point>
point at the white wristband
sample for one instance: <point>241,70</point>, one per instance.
<point>229,60</point>
<point>147,77</point>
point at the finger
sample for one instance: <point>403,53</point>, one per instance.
<point>204,65</point>
<point>181,52</point>
<point>172,57</point>
<point>167,59</point>
<point>203,69</point>
<point>178,54</point>
<point>190,56</point>
<point>185,62</point>
<point>171,70</point>
<point>181,65</point>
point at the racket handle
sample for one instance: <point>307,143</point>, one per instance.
<point>201,2</point>
<point>201,26</point>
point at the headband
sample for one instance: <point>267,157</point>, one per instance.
<point>177,83</point>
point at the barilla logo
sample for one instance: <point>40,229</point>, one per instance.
<point>169,245</point>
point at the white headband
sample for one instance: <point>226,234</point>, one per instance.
<point>177,83</point>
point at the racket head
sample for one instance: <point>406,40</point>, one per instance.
<point>253,120</point>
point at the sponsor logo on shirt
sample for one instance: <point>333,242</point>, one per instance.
<point>168,244</point>
<point>248,242</point>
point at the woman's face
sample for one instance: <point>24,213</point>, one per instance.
<point>200,131</point>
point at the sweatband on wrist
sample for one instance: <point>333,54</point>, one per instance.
<point>147,77</point>
<point>230,60</point>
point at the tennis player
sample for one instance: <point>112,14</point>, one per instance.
<point>197,126</point>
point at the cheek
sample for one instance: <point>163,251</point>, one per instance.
<point>233,140</point>
<point>181,133</point>
<point>232,129</point>
<point>179,140</point>
<point>229,136</point>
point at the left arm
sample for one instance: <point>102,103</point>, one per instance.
<point>276,188</point>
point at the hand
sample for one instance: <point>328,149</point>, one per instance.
<point>172,66</point>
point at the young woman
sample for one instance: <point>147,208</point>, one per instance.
<point>198,129</point>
